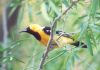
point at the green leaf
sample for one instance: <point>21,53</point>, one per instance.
<point>20,15</point>
<point>30,13</point>
<point>57,2</point>
<point>54,8</point>
<point>88,42</point>
<point>5,59</point>
<point>92,37</point>
<point>44,10</point>
<point>65,2</point>
<point>79,20</point>
<point>1,49</point>
<point>98,37</point>
<point>95,27</point>
<point>12,11</point>
<point>99,4</point>
<point>68,64</point>
<point>83,30</point>
<point>98,15</point>
<point>17,59</point>
<point>60,54</point>
<point>94,7</point>
<point>71,60</point>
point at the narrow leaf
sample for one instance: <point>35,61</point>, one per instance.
<point>88,42</point>
<point>79,19</point>
<point>83,29</point>
<point>92,36</point>
<point>1,49</point>
<point>30,13</point>
<point>65,2</point>
<point>44,10</point>
<point>94,7</point>
<point>20,15</point>
<point>60,54</point>
<point>12,11</point>
<point>54,8</point>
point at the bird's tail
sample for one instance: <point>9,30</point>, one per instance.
<point>77,44</point>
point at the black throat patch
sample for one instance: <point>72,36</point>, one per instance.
<point>35,34</point>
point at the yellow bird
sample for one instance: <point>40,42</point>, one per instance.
<point>42,34</point>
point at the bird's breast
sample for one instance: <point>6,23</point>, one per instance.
<point>44,38</point>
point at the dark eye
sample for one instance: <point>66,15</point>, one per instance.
<point>47,30</point>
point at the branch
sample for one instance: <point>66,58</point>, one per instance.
<point>5,34</point>
<point>51,35</point>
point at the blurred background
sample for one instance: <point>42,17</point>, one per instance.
<point>21,51</point>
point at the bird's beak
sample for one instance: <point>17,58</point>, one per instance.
<point>24,30</point>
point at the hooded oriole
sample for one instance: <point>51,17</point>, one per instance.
<point>42,34</point>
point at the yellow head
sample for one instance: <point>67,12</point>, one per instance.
<point>38,32</point>
<point>34,30</point>
<point>34,27</point>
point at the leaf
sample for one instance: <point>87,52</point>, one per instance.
<point>54,8</point>
<point>83,29</point>
<point>1,49</point>
<point>68,64</point>
<point>20,15</point>
<point>88,42</point>
<point>94,7</point>
<point>79,20</point>
<point>44,10</point>
<point>98,16</point>
<point>18,59</point>
<point>13,45</point>
<point>30,13</point>
<point>60,54</point>
<point>92,37</point>
<point>5,59</point>
<point>12,11</point>
<point>65,2</point>
<point>57,2</point>
<point>99,4</point>
<point>71,60</point>
<point>98,37</point>
<point>95,27</point>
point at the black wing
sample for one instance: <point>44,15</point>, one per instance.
<point>47,30</point>
<point>64,34</point>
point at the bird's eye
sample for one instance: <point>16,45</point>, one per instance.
<point>47,30</point>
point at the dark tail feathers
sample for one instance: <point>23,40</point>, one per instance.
<point>79,43</point>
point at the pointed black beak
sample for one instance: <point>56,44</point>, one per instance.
<point>25,30</point>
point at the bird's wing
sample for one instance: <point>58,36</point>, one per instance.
<point>61,33</point>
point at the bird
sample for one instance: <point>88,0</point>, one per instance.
<point>60,39</point>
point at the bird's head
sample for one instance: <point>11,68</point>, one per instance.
<point>37,31</point>
<point>36,28</point>
<point>32,28</point>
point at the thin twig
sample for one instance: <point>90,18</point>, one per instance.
<point>51,35</point>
